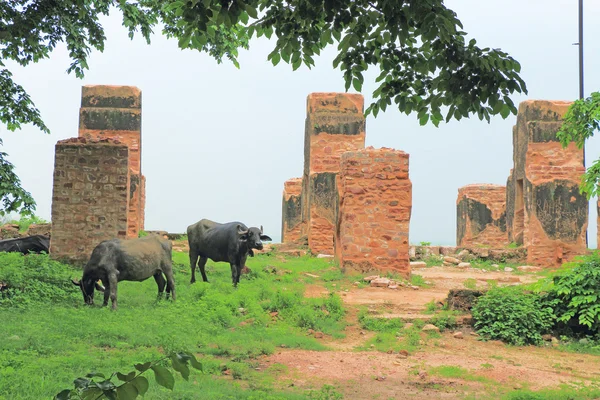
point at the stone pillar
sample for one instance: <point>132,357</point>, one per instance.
<point>374,211</point>
<point>481,216</point>
<point>90,196</point>
<point>116,112</point>
<point>335,124</point>
<point>545,211</point>
<point>291,221</point>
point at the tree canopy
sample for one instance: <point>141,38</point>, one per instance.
<point>426,65</point>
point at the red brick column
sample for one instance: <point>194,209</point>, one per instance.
<point>116,112</point>
<point>90,196</point>
<point>291,221</point>
<point>374,212</point>
<point>335,124</point>
<point>481,216</point>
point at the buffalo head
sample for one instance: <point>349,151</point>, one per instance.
<point>253,236</point>
<point>87,289</point>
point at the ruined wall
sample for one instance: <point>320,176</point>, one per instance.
<point>90,196</point>
<point>374,211</point>
<point>334,124</point>
<point>546,213</point>
<point>291,221</point>
<point>116,112</point>
<point>481,216</point>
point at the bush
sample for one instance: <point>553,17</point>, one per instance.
<point>512,315</point>
<point>35,278</point>
<point>575,293</point>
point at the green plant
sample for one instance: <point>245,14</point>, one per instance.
<point>378,324</point>
<point>512,315</point>
<point>513,245</point>
<point>418,280</point>
<point>327,392</point>
<point>142,233</point>
<point>96,385</point>
<point>575,294</point>
<point>470,283</point>
<point>444,320</point>
<point>425,243</point>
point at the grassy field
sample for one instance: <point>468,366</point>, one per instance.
<point>49,337</point>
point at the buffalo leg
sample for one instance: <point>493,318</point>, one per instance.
<point>168,269</point>
<point>193,262</point>
<point>160,282</point>
<point>106,294</point>
<point>112,281</point>
<point>202,265</point>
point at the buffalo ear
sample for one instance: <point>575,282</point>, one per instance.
<point>266,238</point>
<point>74,282</point>
<point>261,230</point>
<point>99,287</point>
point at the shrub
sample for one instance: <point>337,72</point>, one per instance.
<point>512,315</point>
<point>575,293</point>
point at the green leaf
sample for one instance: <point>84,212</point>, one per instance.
<point>110,394</point>
<point>143,367</point>
<point>357,84</point>
<point>81,383</point>
<point>251,11</point>
<point>141,384</point>
<point>170,7</point>
<point>180,366</point>
<point>163,376</point>
<point>92,393</point>
<point>195,362</point>
<point>127,391</point>
<point>505,111</point>
<point>95,374</point>
<point>126,378</point>
<point>63,395</point>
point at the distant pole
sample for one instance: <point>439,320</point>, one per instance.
<point>580,49</point>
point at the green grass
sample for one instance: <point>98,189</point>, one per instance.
<point>25,221</point>
<point>50,337</point>
<point>454,372</point>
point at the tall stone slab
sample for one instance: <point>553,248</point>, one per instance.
<point>291,221</point>
<point>116,112</point>
<point>90,196</point>
<point>374,211</point>
<point>545,211</point>
<point>335,124</point>
<point>481,216</point>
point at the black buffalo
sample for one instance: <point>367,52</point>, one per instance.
<point>231,242</point>
<point>118,260</point>
<point>25,245</point>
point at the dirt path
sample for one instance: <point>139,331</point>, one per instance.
<point>378,375</point>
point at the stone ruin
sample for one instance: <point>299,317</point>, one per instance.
<point>541,207</point>
<point>351,202</point>
<point>99,189</point>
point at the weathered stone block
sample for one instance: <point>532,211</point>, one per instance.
<point>374,211</point>
<point>481,215</point>
<point>83,218</point>
<point>291,229</point>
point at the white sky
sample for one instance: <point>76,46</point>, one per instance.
<point>218,142</point>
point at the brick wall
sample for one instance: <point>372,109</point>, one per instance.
<point>291,221</point>
<point>334,124</point>
<point>90,196</point>
<point>116,112</point>
<point>374,211</point>
<point>545,211</point>
<point>481,215</point>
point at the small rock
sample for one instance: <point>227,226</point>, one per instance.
<point>403,353</point>
<point>423,375</point>
<point>390,351</point>
<point>464,265</point>
<point>370,278</point>
<point>462,254</point>
<point>547,337</point>
<point>474,334</point>
<point>508,269</point>
<point>414,287</point>
<point>274,313</point>
<point>428,283</point>
<point>311,331</point>
<point>452,260</point>
<point>430,328</point>
<point>495,265</point>
<point>458,335</point>
<point>395,287</point>
<point>356,284</point>
<point>372,346</point>
<point>227,372</point>
<point>529,268</point>
<point>418,264</point>
<point>242,310</point>
<point>554,340</point>
<point>484,270</point>
<point>362,332</point>
<point>311,275</point>
<point>397,363</point>
<point>380,282</point>
<point>334,284</point>
<point>324,256</point>
<point>583,341</point>
<point>318,335</point>
<point>408,325</point>
<point>283,346</point>
<point>380,378</point>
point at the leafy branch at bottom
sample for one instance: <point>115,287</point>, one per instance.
<point>96,385</point>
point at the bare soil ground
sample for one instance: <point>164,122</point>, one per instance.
<point>379,375</point>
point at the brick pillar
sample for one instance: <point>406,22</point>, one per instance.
<point>335,124</point>
<point>481,216</point>
<point>116,112</point>
<point>291,221</point>
<point>544,208</point>
<point>90,196</point>
<point>374,212</point>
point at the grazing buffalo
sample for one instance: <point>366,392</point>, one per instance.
<point>118,260</point>
<point>25,245</point>
<point>231,242</point>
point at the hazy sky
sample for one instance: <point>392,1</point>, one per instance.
<point>218,142</point>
